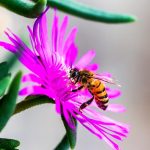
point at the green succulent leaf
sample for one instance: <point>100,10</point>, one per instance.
<point>24,7</point>
<point>64,144</point>
<point>34,8</point>
<point>70,132</point>
<point>3,69</point>
<point>8,102</point>
<point>11,60</point>
<point>87,12</point>
<point>6,66</point>
<point>8,144</point>
<point>4,73</point>
<point>4,84</point>
<point>31,101</point>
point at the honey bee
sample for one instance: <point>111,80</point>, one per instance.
<point>94,84</point>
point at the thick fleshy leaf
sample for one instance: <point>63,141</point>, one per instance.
<point>3,69</point>
<point>71,132</point>
<point>11,60</point>
<point>87,12</point>
<point>4,73</point>
<point>6,66</point>
<point>8,144</point>
<point>32,10</point>
<point>4,84</point>
<point>8,102</point>
<point>64,144</point>
<point>31,101</point>
<point>25,8</point>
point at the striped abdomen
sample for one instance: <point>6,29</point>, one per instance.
<point>97,88</point>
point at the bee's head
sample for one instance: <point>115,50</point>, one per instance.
<point>74,74</point>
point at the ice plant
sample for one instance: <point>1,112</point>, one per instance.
<point>50,60</point>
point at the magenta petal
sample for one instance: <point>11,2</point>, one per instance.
<point>8,46</point>
<point>120,127</point>
<point>21,46</point>
<point>70,39</point>
<point>25,55</point>
<point>54,32</point>
<point>43,31</point>
<point>116,108</point>
<point>107,74</point>
<point>71,55</point>
<point>34,90</point>
<point>112,144</point>
<point>31,78</point>
<point>58,106</point>
<point>45,52</point>
<point>39,39</point>
<point>86,59</point>
<point>93,67</point>
<point>113,93</point>
<point>91,130</point>
<point>61,34</point>
<point>68,118</point>
<point>31,39</point>
<point>36,68</point>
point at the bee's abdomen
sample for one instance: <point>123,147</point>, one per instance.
<point>100,95</point>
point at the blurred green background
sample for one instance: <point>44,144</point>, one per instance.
<point>122,50</point>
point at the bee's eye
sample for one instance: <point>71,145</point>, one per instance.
<point>74,74</point>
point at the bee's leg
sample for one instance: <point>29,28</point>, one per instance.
<point>77,80</point>
<point>86,103</point>
<point>79,88</point>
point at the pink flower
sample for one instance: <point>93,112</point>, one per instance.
<point>50,60</point>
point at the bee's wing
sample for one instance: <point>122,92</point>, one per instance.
<point>106,79</point>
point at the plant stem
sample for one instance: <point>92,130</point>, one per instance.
<point>64,144</point>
